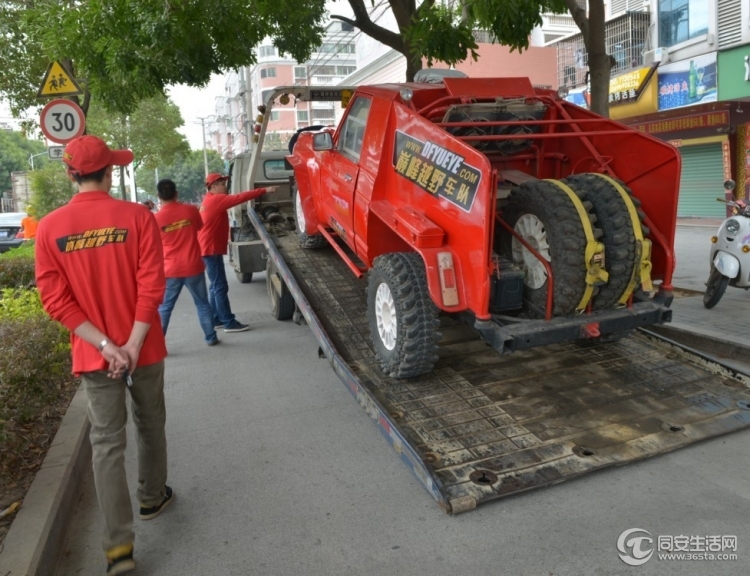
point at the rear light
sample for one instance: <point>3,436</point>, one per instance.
<point>447,279</point>
<point>20,233</point>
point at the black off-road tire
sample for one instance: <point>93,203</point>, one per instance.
<point>244,277</point>
<point>282,305</point>
<point>566,239</point>
<point>715,288</point>
<point>613,218</point>
<point>414,349</point>
<point>307,241</point>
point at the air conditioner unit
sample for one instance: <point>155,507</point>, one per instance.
<point>656,56</point>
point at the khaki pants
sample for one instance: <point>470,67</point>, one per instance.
<point>108,416</point>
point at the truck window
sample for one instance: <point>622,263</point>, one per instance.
<point>353,131</point>
<point>276,169</point>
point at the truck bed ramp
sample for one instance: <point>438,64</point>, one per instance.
<point>483,425</point>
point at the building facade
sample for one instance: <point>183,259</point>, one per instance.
<point>230,128</point>
<point>681,74</point>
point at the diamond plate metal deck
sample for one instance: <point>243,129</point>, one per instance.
<point>484,426</point>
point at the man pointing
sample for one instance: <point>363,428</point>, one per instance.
<point>213,238</point>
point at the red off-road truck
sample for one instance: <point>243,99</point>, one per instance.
<point>488,199</point>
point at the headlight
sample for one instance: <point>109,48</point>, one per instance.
<point>733,226</point>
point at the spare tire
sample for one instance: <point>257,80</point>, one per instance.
<point>613,218</point>
<point>546,217</point>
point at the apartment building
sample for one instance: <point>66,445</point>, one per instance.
<point>230,129</point>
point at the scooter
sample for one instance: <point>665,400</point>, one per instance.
<point>730,252</point>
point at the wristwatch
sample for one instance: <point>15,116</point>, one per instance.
<point>102,344</point>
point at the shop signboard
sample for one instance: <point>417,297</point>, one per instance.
<point>734,73</point>
<point>579,97</point>
<point>688,82</point>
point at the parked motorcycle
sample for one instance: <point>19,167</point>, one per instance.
<point>730,252</point>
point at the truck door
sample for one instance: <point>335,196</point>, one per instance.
<point>340,170</point>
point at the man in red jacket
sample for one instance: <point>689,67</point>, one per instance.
<point>100,273</point>
<point>179,225</point>
<point>213,238</point>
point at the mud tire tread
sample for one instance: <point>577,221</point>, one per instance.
<point>617,234</point>
<point>566,239</point>
<point>416,349</point>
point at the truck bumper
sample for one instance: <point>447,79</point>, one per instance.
<point>248,256</point>
<point>504,336</point>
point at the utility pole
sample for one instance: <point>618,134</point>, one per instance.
<point>249,112</point>
<point>205,154</point>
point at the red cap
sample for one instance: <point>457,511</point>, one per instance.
<point>214,177</point>
<point>88,154</point>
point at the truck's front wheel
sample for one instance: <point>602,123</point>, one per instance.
<point>307,241</point>
<point>403,320</point>
<point>244,277</point>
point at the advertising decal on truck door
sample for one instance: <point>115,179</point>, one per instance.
<point>436,170</point>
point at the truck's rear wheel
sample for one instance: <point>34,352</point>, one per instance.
<point>546,218</point>
<point>244,277</point>
<point>282,302</point>
<point>307,241</point>
<point>403,319</point>
<point>617,234</point>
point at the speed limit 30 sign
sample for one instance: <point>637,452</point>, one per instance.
<point>62,121</point>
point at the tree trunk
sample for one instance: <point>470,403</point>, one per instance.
<point>122,184</point>
<point>600,63</point>
<point>413,63</point>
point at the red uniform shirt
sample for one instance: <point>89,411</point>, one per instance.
<point>100,259</point>
<point>179,224</point>
<point>214,235</point>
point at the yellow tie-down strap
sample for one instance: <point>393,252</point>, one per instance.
<point>642,245</point>
<point>594,255</point>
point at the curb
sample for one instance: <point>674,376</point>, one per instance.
<point>34,543</point>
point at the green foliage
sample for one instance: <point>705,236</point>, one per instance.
<point>34,367</point>
<point>150,131</point>
<point>35,362</point>
<point>50,188</point>
<point>511,21</point>
<point>15,150</point>
<point>20,304</point>
<point>187,172</point>
<point>17,267</point>
<point>440,34</point>
<point>129,50</point>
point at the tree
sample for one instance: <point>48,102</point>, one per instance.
<point>125,51</point>
<point>443,32</point>
<point>187,172</point>
<point>50,188</point>
<point>150,132</point>
<point>15,151</point>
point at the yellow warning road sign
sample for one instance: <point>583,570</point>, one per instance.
<point>58,82</point>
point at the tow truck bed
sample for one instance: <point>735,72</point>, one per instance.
<point>483,425</point>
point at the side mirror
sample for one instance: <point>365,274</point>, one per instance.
<point>729,185</point>
<point>322,141</point>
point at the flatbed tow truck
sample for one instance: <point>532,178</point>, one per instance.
<point>481,425</point>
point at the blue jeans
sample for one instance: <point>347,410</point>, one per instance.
<point>218,290</point>
<point>196,285</point>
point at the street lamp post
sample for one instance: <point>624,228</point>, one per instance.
<point>205,154</point>
<point>31,158</point>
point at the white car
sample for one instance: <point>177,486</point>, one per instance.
<point>11,233</point>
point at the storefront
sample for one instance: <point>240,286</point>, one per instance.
<point>702,107</point>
